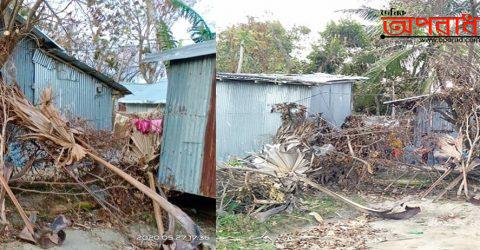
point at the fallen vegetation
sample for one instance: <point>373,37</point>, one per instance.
<point>305,152</point>
<point>376,154</point>
<point>40,148</point>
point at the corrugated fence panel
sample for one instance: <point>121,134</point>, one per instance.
<point>186,113</point>
<point>143,107</point>
<point>244,120</point>
<point>21,67</point>
<point>76,94</point>
<point>334,101</point>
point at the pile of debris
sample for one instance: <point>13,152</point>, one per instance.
<point>352,234</point>
<point>462,151</point>
<point>307,152</point>
<point>46,140</point>
<point>143,134</point>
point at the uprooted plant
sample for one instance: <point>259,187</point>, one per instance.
<point>269,182</point>
<point>283,169</point>
<point>44,124</point>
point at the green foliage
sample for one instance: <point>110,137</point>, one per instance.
<point>350,33</point>
<point>327,58</point>
<point>341,41</point>
<point>199,32</point>
<point>268,47</point>
<point>366,13</point>
<point>359,63</point>
<point>165,37</point>
<point>398,68</point>
<point>234,231</point>
<point>241,231</point>
<point>389,66</point>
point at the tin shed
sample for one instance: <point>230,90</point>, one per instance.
<point>79,90</point>
<point>187,158</point>
<point>244,103</point>
<point>144,97</point>
<point>427,115</point>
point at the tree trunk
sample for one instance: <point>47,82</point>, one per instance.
<point>240,58</point>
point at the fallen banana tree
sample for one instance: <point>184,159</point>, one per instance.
<point>285,167</point>
<point>45,124</point>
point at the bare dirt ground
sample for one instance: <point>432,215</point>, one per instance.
<point>107,239</point>
<point>447,224</point>
<point>86,235</point>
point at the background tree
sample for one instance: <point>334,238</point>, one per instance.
<point>338,44</point>
<point>114,35</point>
<point>259,47</point>
<point>411,68</point>
<point>345,47</point>
<point>13,29</point>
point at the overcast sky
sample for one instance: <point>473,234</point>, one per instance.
<point>314,14</point>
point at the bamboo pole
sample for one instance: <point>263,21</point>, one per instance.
<point>156,208</point>
<point>25,219</point>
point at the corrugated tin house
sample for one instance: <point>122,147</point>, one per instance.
<point>79,90</point>
<point>144,97</point>
<point>244,103</point>
<point>427,115</point>
<point>187,160</point>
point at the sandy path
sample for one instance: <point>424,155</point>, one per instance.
<point>440,225</point>
<point>101,239</point>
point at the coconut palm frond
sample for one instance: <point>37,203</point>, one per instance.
<point>199,32</point>
<point>374,31</point>
<point>46,123</point>
<point>165,37</point>
<point>365,12</point>
<point>391,64</point>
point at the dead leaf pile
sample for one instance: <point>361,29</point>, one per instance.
<point>352,234</point>
<point>44,124</point>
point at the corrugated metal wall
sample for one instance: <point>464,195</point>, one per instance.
<point>429,121</point>
<point>76,94</point>
<point>143,107</point>
<point>334,101</point>
<point>20,67</point>
<point>244,120</point>
<point>186,114</point>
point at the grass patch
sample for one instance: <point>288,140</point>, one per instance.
<point>323,205</point>
<point>239,225</point>
<point>239,231</point>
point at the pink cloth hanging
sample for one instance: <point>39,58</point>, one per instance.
<point>156,126</point>
<point>142,125</point>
